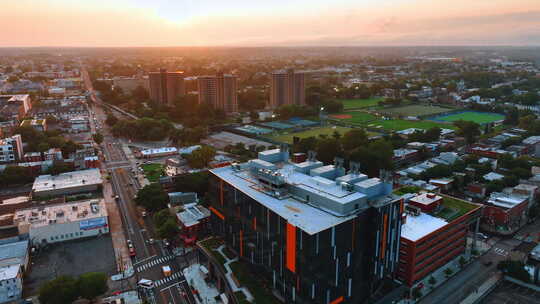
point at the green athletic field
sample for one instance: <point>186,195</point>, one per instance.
<point>360,103</point>
<point>400,124</point>
<point>478,117</point>
<point>416,110</point>
<point>287,137</point>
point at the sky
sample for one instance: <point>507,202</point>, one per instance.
<point>124,23</point>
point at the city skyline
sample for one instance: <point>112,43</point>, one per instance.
<point>126,23</point>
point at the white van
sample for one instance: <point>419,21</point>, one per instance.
<point>145,283</point>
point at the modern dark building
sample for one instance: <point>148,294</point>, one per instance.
<point>320,235</point>
<point>220,91</point>
<point>287,88</point>
<point>165,86</point>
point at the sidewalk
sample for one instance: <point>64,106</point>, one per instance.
<point>116,229</point>
<point>482,290</point>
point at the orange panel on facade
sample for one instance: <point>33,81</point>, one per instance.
<point>385,230</point>
<point>338,300</point>
<point>241,243</point>
<point>291,248</point>
<point>221,192</point>
<point>217,213</point>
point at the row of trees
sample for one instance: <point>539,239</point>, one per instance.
<point>143,129</point>
<point>66,289</point>
<point>38,141</point>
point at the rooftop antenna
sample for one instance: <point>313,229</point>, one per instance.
<point>338,162</point>
<point>385,175</point>
<point>312,156</point>
<point>354,167</point>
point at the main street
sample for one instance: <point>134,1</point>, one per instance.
<point>150,254</point>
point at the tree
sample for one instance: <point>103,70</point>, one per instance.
<point>201,157</point>
<point>353,139</point>
<point>59,167</point>
<point>139,94</point>
<point>62,290</point>
<point>92,284</point>
<point>111,120</point>
<point>98,138</point>
<point>462,261</point>
<point>432,281</point>
<point>193,182</point>
<point>468,129</point>
<point>152,197</point>
<point>448,272</point>
<point>328,149</point>
<point>168,229</point>
<point>417,293</point>
<point>15,175</point>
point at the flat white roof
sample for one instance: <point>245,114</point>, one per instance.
<point>62,213</point>
<point>9,272</point>
<point>67,180</point>
<point>158,151</point>
<point>302,215</point>
<point>192,214</point>
<point>416,227</point>
<point>425,198</point>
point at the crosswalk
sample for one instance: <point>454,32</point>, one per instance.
<point>500,251</point>
<point>154,262</point>
<point>168,279</point>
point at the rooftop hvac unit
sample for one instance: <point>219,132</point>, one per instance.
<point>412,210</point>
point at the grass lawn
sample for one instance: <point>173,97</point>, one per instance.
<point>152,171</point>
<point>288,137</point>
<point>246,278</point>
<point>416,110</point>
<point>454,208</point>
<point>478,117</point>
<point>360,103</point>
<point>399,124</point>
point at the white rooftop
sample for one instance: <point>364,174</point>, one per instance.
<point>9,272</point>
<point>426,198</point>
<point>505,201</point>
<point>192,214</point>
<point>491,176</point>
<point>61,213</point>
<point>159,151</point>
<point>300,214</point>
<point>416,227</point>
<point>67,180</point>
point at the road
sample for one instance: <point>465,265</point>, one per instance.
<point>474,274</point>
<point>150,254</point>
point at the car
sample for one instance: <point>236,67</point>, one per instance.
<point>150,241</point>
<point>132,252</point>
<point>488,263</point>
<point>482,236</point>
<point>166,242</point>
<point>145,283</point>
<point>143,214</point>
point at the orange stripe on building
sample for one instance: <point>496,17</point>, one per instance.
<point>217,213</point>
<point>385,230</point>
<point>291,248</point>
<point>241,242</point>
<point>338,300</point>
<point>401,206</point>
<point>255,223</point>
<point>221,192</point>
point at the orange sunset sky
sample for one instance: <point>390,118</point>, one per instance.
<point>268,23</point>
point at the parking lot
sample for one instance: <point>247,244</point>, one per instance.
<point>510,293</point>
<point>70,258</point>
